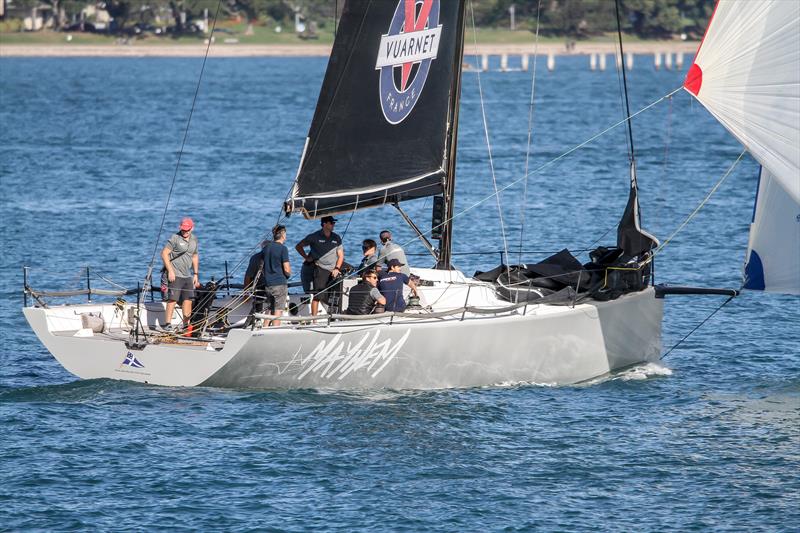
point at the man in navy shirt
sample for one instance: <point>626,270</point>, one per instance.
<point>391,286</point>
<point>276,271</point>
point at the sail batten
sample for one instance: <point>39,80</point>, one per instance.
<point>380,129</point>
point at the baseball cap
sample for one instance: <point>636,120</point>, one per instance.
<point>187,223</point>
<point>323,220</point>
<point>394,263</point>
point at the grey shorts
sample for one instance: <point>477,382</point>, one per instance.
<point>276,297</point>
<point>180,290</point>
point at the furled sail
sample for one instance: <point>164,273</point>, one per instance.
<point>631,238</point>
<point>747,74</point>
<point>379,134</point>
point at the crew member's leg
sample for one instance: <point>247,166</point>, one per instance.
<point>169,312</point>
<point>321,278</point>
<point>188,298</point>
<point>277,301</point>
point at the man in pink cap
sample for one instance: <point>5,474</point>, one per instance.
<point>182,264</point>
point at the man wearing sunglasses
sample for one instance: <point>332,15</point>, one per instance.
<point>182,265</point>
<point>365,296</point>
<point>370,259</point>
<point>327,254</point>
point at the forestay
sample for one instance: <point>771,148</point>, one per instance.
<point>383,118</point>
<point>747,74</point>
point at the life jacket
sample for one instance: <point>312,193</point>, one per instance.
<point>360,302</point>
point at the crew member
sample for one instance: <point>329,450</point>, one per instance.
<point>390,251</point>
<point>276,272</point>
<point>391,286</point>
<point>327,254</point>
<point>370,259</point>
<point>364,296</point>
<point>182,263</point>
<point>255,274</point>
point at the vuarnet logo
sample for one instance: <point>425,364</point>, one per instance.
<point>413,38</point>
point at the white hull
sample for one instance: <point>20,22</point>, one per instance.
<point>539,344</point>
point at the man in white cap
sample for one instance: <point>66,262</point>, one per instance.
<point>182,263</point>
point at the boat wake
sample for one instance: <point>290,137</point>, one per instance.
<point>633,373</point>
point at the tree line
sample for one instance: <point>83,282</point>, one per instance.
<point>576,19</point>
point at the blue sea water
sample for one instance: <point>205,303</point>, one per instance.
<point>708,440</point>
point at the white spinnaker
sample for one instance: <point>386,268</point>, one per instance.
<point>773,253</point>
<point>747,74</point>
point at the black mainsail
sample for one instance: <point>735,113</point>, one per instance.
<point>382,129</point>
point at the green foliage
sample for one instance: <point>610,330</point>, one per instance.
<point>562,18</point>
<point>583,18</point>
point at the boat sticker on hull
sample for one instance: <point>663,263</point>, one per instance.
<point>337,358</point>
<point>413,39</point>
<point>131,362</point>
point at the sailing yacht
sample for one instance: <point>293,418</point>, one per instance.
<point>385,132</point>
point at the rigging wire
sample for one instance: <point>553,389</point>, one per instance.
<point>706,319</point>
<point>699,207</point>
<point>486,134</point>
<point>568,152</point>
<point>542,166</point>
<point>624,81</point>
<point>530,135</point>
<point>149,275</point>
<point>667,139</point>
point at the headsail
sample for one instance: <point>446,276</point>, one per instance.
<point>747,74</point>
<point>380,130</point>
<point>773,254</point>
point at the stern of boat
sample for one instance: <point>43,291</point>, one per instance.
<point>111,354</point>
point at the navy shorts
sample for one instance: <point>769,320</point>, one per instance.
<point>180,290</point>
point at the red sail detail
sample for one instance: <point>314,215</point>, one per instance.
<point>694,79</point>
<point>411,26</point>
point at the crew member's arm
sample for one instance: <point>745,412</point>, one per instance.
<point>412,286</point>
<point>167,263</point>
<point>287,267</point>
<point>377,296</point>
<point>339,260</point>
<point>300,247</point>
<point>196,268</point>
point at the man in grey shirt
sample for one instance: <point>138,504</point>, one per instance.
<point>391,251</point>
<point>182,263</point>
<point>327,254</point>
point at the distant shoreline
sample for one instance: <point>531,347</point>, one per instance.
<point>313,50</point>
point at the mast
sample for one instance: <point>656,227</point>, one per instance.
<point>446,242</point>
